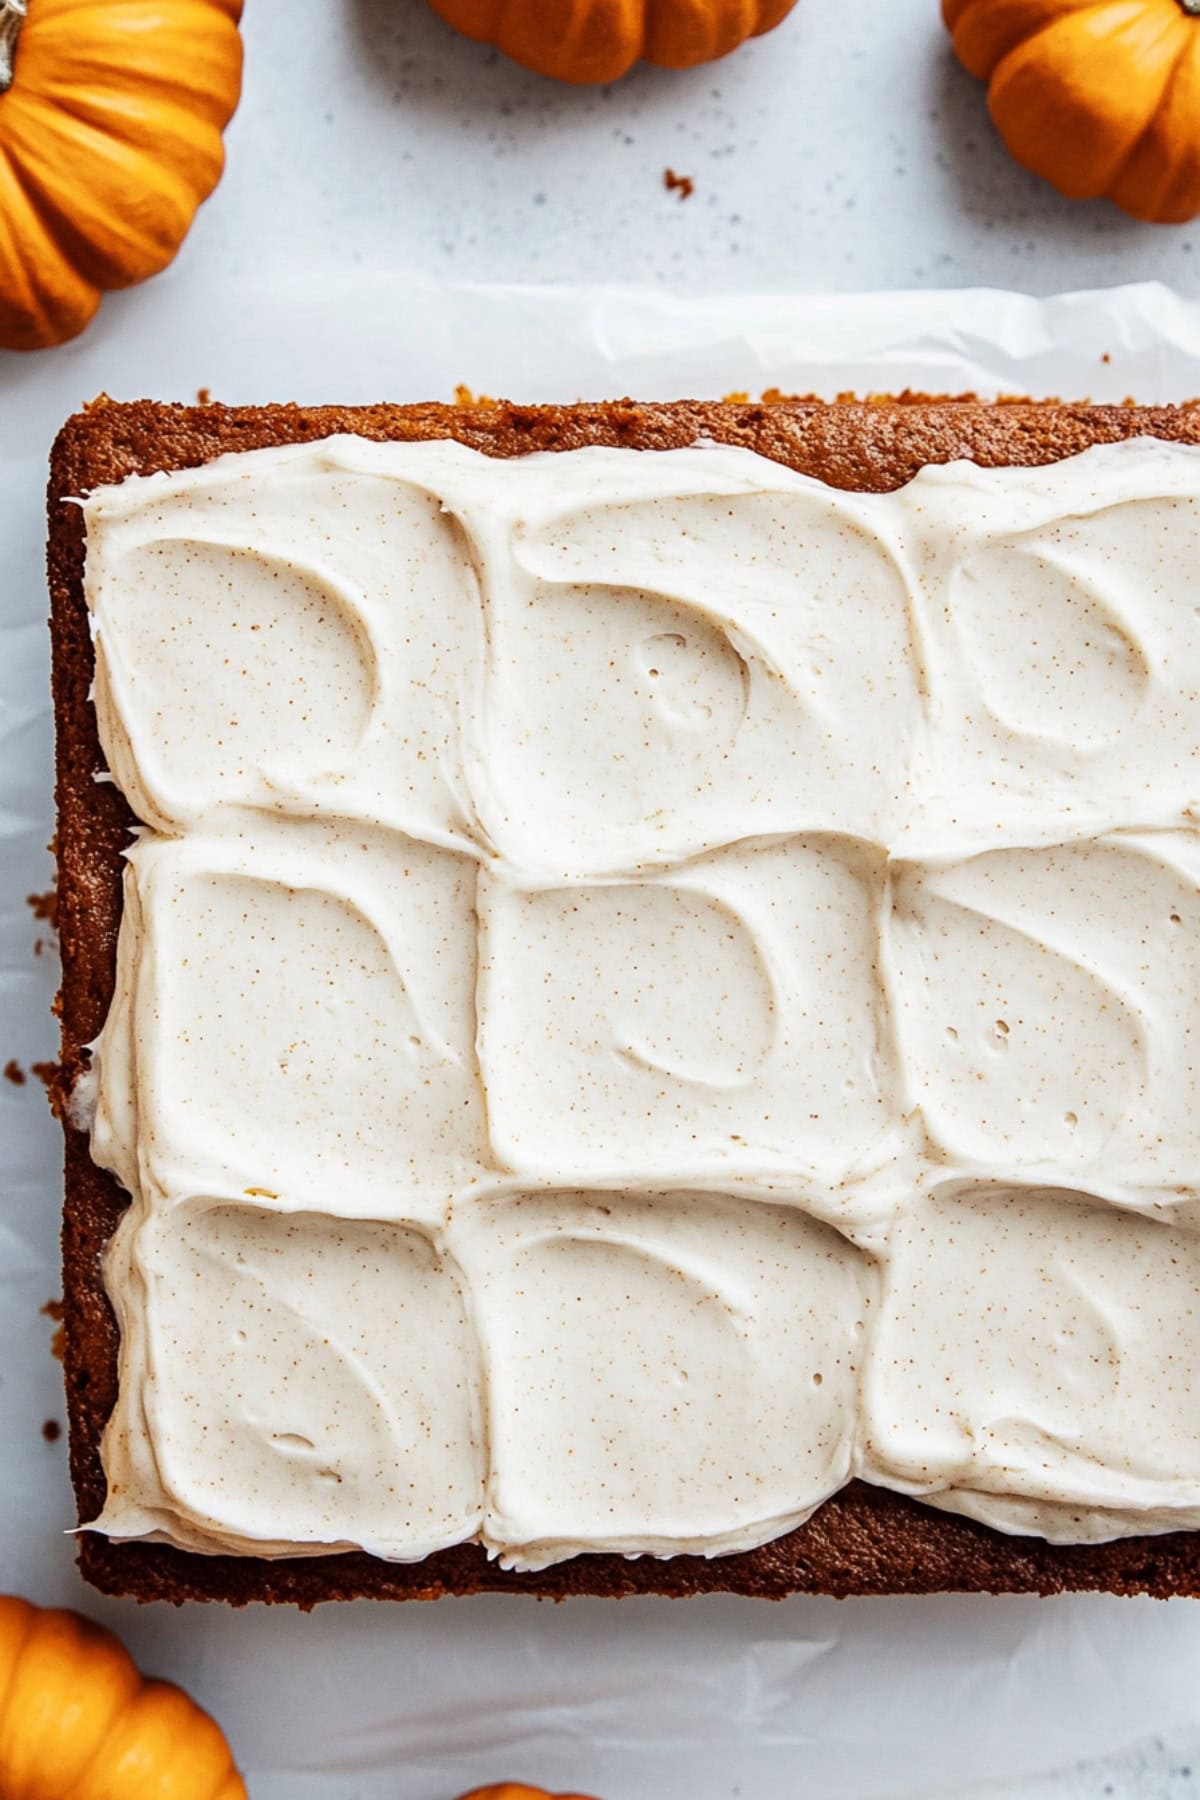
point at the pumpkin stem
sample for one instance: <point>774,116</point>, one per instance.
<point>12,17</point>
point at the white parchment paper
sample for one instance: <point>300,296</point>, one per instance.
<point>641,1700</point>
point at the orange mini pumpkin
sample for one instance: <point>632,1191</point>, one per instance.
<point>593,41</point>
<point>111,114</point>
<point>516,1790</point>
<point>78,1721</point>
<point>1096,96</point>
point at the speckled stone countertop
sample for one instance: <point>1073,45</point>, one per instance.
<point>1159,1769</point>
<point>847,150</point>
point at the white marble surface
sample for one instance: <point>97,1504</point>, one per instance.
<point>846,151</point>
<point>1158,1769</point>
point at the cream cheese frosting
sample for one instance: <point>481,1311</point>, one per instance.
<point>649,987</point>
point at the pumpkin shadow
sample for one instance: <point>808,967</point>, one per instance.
<point>427,66</point>
<point>1022,210</point>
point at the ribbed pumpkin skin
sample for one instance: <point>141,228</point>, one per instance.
<point>1096,96</point>
<point>78,1721</point>
<point>593,41</point>
<point>516,1790</point>
<point>110,137</point>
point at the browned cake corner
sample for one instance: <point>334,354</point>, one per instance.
<point>864,1540</point>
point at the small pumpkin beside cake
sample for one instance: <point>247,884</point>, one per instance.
<point>79,1721</point>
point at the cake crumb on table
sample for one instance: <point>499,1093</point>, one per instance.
<point>49,1074</point>
<point>683,185</point>
<point>463,396</point>
<point>53,1309</point>
<point>14,1072</point>
<point>52,1431</point>
<point>44,906</point>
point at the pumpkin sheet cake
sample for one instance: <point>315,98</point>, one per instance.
<point>630,997</point>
